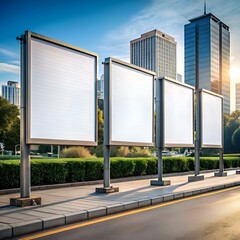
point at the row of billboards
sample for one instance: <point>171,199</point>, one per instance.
<point>62,102</point>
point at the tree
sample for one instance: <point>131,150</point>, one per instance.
<point>13,135</point>
<point>8,114</point>
<point>100,127</point>
<point>231,124</point>
<point>9,124</point>
<point>236,138</point>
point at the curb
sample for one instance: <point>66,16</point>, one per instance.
<point>14,230</point>
<point>117,180</point>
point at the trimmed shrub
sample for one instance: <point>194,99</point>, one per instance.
<point>209,163</point>
<point>152,166</point>
<point>232,155</point>
<point>54,171</point>
<point>140,167</point>
<point>93,170</point>
<point>175,164</point>
<point>190,164</point>
<point>9,174</point>
<point>76,152</point>
<point>76,170</point>
<point>122,168</point>
<point>48,172</point>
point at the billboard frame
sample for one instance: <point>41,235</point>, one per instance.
<point>160,113</point>
<point>108,107</point>
<point>28,37</point>
<point>201,91</point>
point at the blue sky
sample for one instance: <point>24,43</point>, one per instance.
<point>107,26</point>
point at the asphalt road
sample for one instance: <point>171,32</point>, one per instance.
<point>210,216</point>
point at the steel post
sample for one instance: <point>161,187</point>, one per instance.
<point>25,176</point>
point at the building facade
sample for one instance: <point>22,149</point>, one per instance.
<point>207,55</point>
<point>238,96</point>
<point>11,92</point>
<point>100,92</point>
<point>155,51</point>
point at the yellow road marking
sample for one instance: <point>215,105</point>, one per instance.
<point>107,218</point>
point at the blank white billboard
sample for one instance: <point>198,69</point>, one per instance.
<point>178,114</point>
<point>211,120</point>
<point>62,94</point>
<point>131,105</point>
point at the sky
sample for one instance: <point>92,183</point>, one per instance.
<point>107,26</point>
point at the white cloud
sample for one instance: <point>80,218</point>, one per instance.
<point>7,52</point>
<point>16,62</point>
<point>10,68</point>
<point>159,15</point>
<point>170,18</point>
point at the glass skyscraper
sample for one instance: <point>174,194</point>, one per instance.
<point>207,55</point>
<point>238,96</point>
<point>155,51</point>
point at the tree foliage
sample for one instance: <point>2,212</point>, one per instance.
<point>100,127</point>
<point>231,124</point>
<point>9,124</point>
<point>236,138</point>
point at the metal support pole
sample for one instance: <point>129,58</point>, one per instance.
<point>221,172</point>
<point>106,174</point>
<point>51,150</point>
<point>106,182</point>
<point>197,141</point>
<point>221,161</point>
<point>59,150</point>
<point>160,165</point>
<point>197,177</point>
<point>25,176</point>
<point>160,132</point>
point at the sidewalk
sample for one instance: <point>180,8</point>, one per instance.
<point>68,205</point>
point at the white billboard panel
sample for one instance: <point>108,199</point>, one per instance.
<point>178,114</point>
<point>62,93</point>
<point>131,105</point>
<point>211,120</point>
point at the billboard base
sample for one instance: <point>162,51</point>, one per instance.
<point>24,202</point>
<point>160,183</point>
<point>220,174</point>
<point>107,189</point>
<point>195,178</point>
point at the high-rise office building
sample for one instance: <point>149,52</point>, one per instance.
<point>238,96</point>
<point>100,92</point>
<point>155,51</point>
<point>207,55</point>
<point>11,92</point>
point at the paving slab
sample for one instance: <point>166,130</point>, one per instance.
<point>76,217</point>
<point>54,221</point>
<point>26,227</point>
<point>6,231</point>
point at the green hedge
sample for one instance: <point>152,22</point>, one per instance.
<point>54,171</point>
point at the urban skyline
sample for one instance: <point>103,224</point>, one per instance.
<point>98,26</point>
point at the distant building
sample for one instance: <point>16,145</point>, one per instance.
<point>11,92</point>
<point>207,55</point>
<point>179,77</point>
<point>238,96</point>
<point>155,51</point>
<point>100,92</point>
